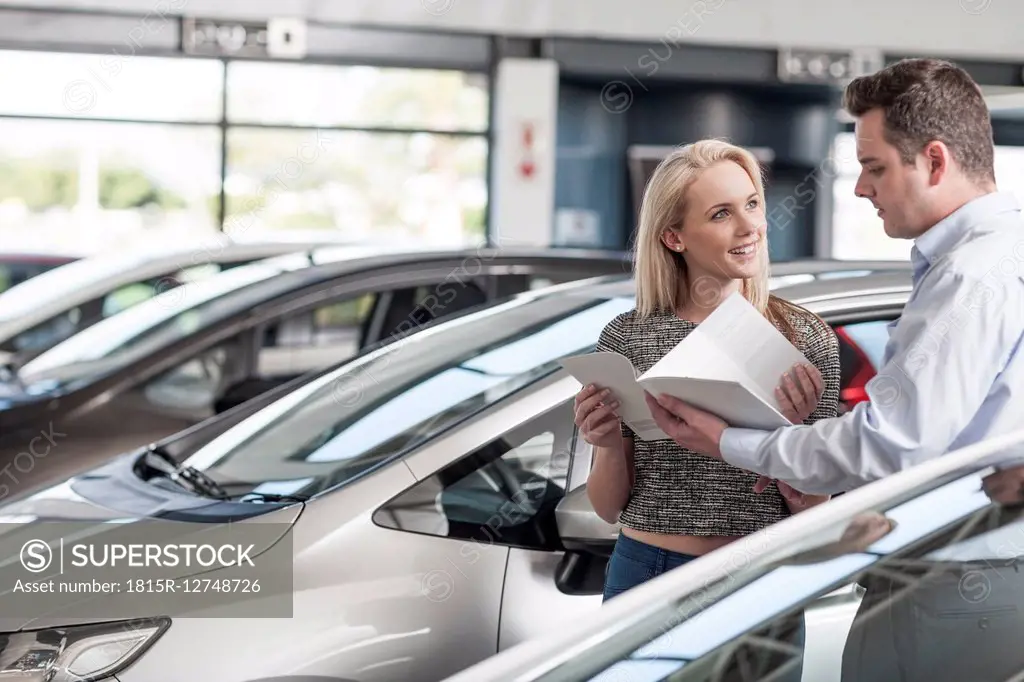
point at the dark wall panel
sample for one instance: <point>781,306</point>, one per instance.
<point>595,132</point>
<point>591,161</point>
<point>798,129</point>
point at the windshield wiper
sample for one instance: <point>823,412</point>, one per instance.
<point>187,477</point>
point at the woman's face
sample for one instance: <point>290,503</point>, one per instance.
<point>724,226</point>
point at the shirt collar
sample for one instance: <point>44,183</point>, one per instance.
<point>945,234</point>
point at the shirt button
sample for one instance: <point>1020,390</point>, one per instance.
<point>983,623</point>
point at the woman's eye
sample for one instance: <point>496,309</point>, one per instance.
<point>720,214</point>
<point>754,203</point>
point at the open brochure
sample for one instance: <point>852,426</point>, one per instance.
<point>729,365</point>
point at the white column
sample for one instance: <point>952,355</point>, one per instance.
<point>522,193</point>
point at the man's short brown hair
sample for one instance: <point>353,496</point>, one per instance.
<point>927,100</point>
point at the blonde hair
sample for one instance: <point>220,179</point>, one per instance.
<point>656,268</point>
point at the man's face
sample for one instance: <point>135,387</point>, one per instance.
<point>897,190</point>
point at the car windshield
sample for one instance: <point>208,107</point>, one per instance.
<point>121,339</point>
<point>359,416</point>
<point>930,582</point>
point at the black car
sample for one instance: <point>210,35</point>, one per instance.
<point>196,350</point>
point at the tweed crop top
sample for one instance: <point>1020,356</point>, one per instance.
<point>678,491</point>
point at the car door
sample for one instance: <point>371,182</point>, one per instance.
<point>548,588</point>
<point>493,487</point>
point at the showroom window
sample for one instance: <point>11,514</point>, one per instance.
<point>856,228</point>
<point>100,149</point>
<point>422,186</point>
<point>378,153</point>
<point>96,150</point>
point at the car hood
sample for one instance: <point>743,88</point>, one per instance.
<point>111,497</point>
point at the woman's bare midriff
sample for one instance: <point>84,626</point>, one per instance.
<point>696,545</point>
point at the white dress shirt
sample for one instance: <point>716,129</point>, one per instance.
<point>952,373</point>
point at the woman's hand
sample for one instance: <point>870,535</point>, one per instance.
<point>798,398</point>
<point>595,416</point>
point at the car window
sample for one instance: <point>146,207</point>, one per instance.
<point>194,386</point>
<point>314,338</point>
<point>409,309</point>
<point>331,323</point>
<point>14,273</point>
<point>394,398</point>
<point>48,333</point>
<point>927,587</point>
<point>503,493</point>
<point>125,297</point>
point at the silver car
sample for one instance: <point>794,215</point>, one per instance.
<point>422,485</point>
<point>42,311</point>
<point>916,577</point>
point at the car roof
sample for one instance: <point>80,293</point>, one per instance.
<point>40,257</point>
<point>52,293</point>
<point>810,529</point>
<point>282,275</point>
<point>58,290</point>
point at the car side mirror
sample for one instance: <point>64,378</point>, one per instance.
<point>588,540</point>
<point>579,526</point>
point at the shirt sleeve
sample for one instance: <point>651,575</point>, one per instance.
<point>612,340</point>
<point>952,340</point>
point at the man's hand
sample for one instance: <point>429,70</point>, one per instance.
<point>795,500</point>
<point>691,428</point>
<point>1005,486</point>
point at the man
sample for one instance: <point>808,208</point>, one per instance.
<point>953,371</point>
<point>952,374</point>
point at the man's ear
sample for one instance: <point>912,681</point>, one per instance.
<point>937,160</point>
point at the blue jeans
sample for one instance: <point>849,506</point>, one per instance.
<point>634,562</point>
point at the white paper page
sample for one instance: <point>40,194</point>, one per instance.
<point>759,350</point>
<point>616,372</point>
<point>729,400</point>
<point>697,357</point>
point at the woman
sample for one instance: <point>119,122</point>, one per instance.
<point>701,238</point>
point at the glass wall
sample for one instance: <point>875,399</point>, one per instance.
<point>99,149</point>
<point>856,228</point>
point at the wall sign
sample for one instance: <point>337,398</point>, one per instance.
<point>527,155</point>
<point>275,38</point>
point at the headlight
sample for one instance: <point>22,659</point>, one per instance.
<point>82,653</point>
